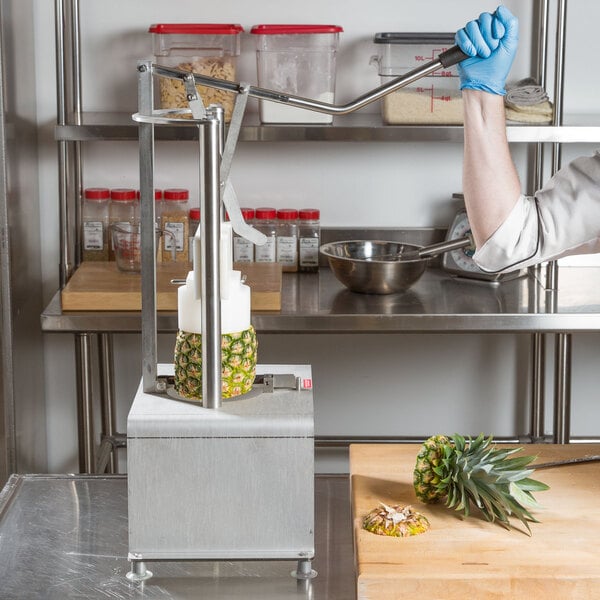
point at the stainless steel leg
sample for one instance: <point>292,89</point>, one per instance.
<point>562,389</point>
<point>538,348</point>
<point>107,395</point>
<point>85,412</point>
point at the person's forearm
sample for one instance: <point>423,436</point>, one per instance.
<point>490,181</point>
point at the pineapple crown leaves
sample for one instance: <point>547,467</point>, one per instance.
<point>468,471</point>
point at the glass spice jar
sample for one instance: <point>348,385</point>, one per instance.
<point>123,211</point>
<point>265,221</point>
<point>287,239</point>
<point>309,239</point>
<point>243,249</point>
<point>174,218</point>
<point>94,224</point>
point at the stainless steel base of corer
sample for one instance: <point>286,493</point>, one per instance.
<point>236,483</point>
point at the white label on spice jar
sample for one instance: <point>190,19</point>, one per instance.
<point>243,250</point>
<point>266,252</point>
<point>287,250</point>
<point>93,238</point>
<point>177,229</point>
<point>309,252</point>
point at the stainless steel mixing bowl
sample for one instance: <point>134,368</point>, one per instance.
<point>373,266</point>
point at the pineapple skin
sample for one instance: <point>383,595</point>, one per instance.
<point>238,363</point>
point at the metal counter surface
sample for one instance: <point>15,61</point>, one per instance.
<point>65,536</point>
<point>318,303</point>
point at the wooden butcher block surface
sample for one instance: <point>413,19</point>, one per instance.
<point>460,558</point>
<point>100,286</point>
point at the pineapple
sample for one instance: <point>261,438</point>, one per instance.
<point>238,363</point>
<point>395,521</point>
<point>474,471</point>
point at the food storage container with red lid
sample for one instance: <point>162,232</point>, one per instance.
<point>298,60</point>
<point>435,99</point>
<point>204,48</point>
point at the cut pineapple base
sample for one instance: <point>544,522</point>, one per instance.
<point>395,521</point>
<point>238,363</point>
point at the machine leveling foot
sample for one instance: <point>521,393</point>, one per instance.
<point>138,571</point>
<point>304,569</point>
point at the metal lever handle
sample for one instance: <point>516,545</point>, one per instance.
<point>446,59</point>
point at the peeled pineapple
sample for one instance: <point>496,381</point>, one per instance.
<point>238,363</point>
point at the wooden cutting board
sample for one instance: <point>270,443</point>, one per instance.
<point>100,286</point>
<point>462,558</point>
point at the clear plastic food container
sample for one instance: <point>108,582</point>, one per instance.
<point>299,60</point>
<point>435,99</point>
<point>206,49</point>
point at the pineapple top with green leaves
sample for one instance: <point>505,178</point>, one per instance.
<point>475,472</point>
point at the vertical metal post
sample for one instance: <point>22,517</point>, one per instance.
<point>562,406</point>
<point>210,207</point>
<point>85,411</point>
<point>62,86</point>
<point>107,392</point>
<point>559,88</point>
<point>147,225</point>
<point>562,385</point>
<point>538,340</point>
<point>538,368</point>
<point>77,103</point>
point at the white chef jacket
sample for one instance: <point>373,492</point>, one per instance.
<point>563,218</point>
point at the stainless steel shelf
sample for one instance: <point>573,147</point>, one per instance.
<point>65,536</point>
<point>347,128</point>
<point>318,303</point>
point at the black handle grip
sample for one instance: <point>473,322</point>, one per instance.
<point>452,56</point>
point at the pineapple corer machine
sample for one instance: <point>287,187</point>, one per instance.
<point>219,480</point>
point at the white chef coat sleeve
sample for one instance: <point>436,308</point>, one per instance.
<point>561,219</point>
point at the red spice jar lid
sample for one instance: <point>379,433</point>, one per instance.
<point>158,194</point>
<point>123,194</point>
<point>287,214</point>
<point>176,194</point>
<point>96,193</point>
<point>265,212</point>
<point>309,214</point>
<point>248,213</point>
<point>195,214</point>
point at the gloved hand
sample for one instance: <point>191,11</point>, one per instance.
<point>492,42</point>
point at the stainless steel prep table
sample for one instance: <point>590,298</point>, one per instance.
<point>318,303</point>
<point>65,536</point>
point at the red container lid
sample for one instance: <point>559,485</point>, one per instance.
<point>96,193</point>
<point>157,194</point>
<point>123,194</point>
<point>195,214</point>
<point>294,29</point>
<point>176,194</point>
<point>247,213</point>
<point>265,212</point>
<point>309,214</point>
<point>287,214</point>
<point>196,28</point>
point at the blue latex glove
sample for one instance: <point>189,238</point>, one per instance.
<point>492,42</point>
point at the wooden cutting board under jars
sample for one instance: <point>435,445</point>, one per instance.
<point>461,557</point>
<point>100,286</point>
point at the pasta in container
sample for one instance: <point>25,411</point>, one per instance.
<point>206,49</point>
